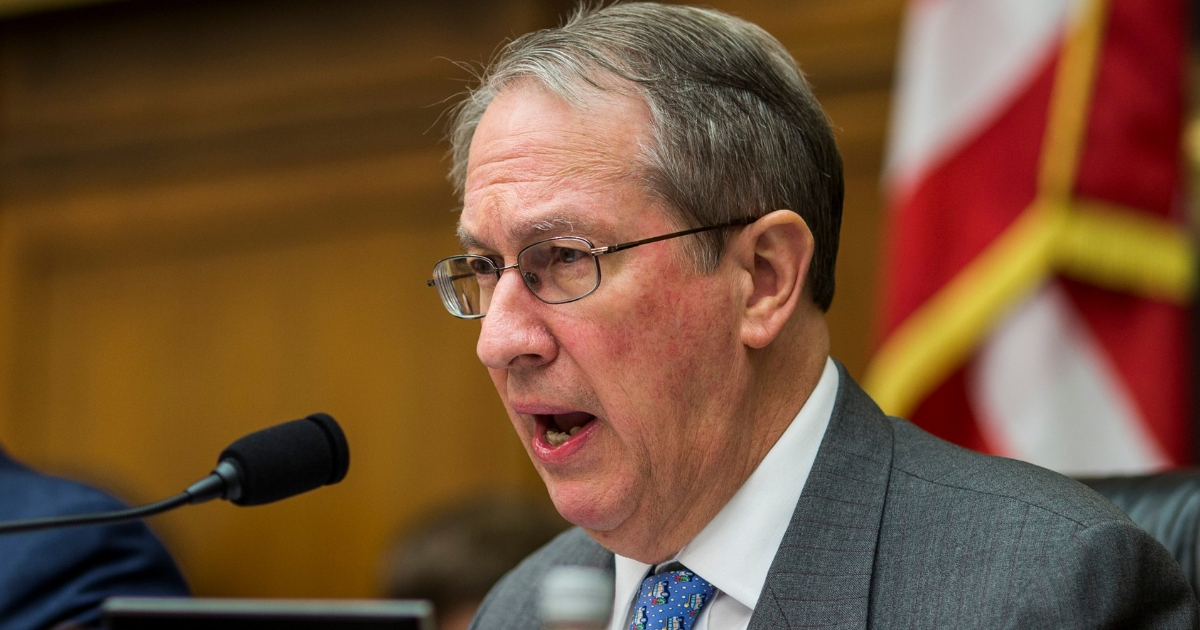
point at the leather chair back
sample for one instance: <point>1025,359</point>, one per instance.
<point>1167,505</point>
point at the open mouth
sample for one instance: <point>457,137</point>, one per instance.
<point>560,427</point>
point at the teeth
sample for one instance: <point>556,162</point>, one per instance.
<point>557,438</point>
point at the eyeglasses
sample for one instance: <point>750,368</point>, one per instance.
<point>557,270</point>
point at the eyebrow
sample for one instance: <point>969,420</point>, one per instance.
<point>525,231</point>
<point>466,240</point>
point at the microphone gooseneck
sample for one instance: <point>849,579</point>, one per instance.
<point>224,482</point>
<point>116,516</point>
<point>268,465</point>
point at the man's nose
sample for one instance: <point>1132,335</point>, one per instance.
<point>512,333</point>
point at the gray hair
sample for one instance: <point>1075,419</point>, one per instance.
<point>737,130</point>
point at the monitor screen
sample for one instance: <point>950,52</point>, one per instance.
<point>184,613</point>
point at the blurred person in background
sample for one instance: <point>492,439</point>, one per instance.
<point>454,555</point>
<point>58,578</point>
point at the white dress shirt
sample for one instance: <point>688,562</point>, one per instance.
<point>734,551</point>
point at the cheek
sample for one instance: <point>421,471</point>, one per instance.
<point>655,345</point>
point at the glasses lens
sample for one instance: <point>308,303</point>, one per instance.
<point>465,283</point>
<point>559,270</point>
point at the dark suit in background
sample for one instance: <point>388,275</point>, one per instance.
<point>898,529</point>
<point>55,576</point>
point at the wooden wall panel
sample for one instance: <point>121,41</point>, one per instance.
<point>210,346</point>
<point>218,216</point>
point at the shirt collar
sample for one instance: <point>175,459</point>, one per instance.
<point>735,550</point>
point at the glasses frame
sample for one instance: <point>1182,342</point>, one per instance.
<point>596,252</point>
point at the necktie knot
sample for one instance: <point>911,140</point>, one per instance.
<point>671,601</point>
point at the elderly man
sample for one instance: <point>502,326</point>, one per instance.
<point>651,205</point>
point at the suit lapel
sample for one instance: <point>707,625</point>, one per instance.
<point>821,575</point>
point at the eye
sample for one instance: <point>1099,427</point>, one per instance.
<point>484,266</point>
<point>566,255</point>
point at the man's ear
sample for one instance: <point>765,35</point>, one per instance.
<point>775,251</point>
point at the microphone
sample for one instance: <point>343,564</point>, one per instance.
<point>265,466</point>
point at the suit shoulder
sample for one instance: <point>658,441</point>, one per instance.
<point>572,547</point>
<point>50,576</point>
<point>512,603</point>
<point>970,476</point>
<point>25,493</point>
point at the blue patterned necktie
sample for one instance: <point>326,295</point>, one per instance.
<point>671,601</point>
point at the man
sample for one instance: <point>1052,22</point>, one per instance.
<point>59,578</point>
<point>678,398</point>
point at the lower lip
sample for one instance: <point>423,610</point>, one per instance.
<point>550,454</point>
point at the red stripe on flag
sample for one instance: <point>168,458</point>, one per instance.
<point>965,203</point>
<point>947,413</point>
<point>1148,344</point>
<point>1132,148</point>
<point>1132,157</point>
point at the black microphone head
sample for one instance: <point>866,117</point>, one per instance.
<point>288,459</point>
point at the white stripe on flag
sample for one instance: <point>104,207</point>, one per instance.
<point>961,63</point>
<point>1044,391</point>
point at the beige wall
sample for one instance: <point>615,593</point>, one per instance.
<point>219,216</point>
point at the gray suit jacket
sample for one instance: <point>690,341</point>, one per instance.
<point>898,529</point>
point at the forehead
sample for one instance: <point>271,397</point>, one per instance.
<point>538,163</point>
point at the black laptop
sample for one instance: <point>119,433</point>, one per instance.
<point>186,613</point>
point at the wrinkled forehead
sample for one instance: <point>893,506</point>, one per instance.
<point>596,125</point>
<point>535,157</point>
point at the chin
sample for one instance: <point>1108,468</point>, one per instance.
<point>596,507</point>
